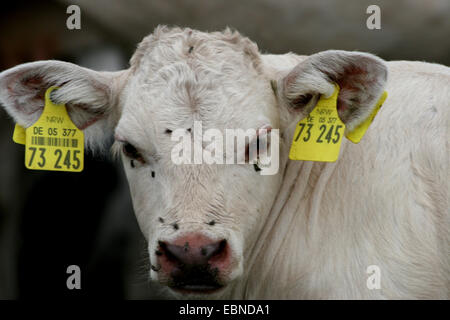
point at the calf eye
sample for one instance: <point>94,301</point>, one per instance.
<point>254,148</point>
<point>131,152</point>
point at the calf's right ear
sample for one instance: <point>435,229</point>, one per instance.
<point>91,97</point>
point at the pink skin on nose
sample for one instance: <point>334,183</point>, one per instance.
<point>195,242</point>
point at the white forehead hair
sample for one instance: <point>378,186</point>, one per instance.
<point>198,49</point>
<point>182,75</point>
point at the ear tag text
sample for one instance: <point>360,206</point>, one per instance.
<point>54,142</point>
<point>356,134</point>
<point>318,137</point>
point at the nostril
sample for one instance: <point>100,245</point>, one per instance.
<point>172,252</point>
<point>213,249</point>
<point>222,244</point>
<point>162,244</point>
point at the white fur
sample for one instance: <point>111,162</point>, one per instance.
<point>385,202</point>
<point>312,230</point>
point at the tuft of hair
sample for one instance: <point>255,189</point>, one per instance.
<point>181,43</point>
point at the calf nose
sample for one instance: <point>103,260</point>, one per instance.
<point>194,261</point>
<point>192,252</point>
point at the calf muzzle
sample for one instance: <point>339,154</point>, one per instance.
<point>194,262</point>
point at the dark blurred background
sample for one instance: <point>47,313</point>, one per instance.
<point>49,221</point>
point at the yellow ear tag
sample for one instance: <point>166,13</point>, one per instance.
<point>54,142</point>
<point>19,134</point>
<point>318,137</point>
<point>356,135</point>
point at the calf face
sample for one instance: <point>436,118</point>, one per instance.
<point>200,220</point>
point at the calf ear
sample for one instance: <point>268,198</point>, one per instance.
<point>360,76</point>
<point>90,96</point>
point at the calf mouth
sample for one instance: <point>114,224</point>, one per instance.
<point>195,280</point>
<point>197,288</point>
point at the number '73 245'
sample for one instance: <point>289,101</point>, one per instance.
<point>70,159</point>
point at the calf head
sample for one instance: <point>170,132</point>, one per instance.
<point>200,220</point>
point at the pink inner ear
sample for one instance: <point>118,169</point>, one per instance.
<point>341,101</point>
<point>82,116</point>
<point>27,94</point>
<point>88,123</point>
<point>31,87</point>
<point>353,79</point>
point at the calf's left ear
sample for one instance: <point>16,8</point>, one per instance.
<point>360,76</point>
